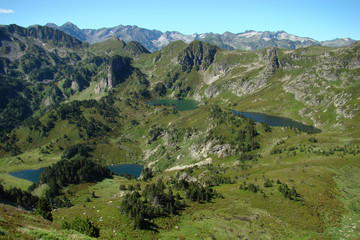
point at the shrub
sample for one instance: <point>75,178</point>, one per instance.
<point>82,225</point>
<point>44,209</point>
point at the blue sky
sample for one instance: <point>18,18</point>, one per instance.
<point>318,19</point>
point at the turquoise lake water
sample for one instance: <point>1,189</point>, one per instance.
<point>33,175</point>
<point>278,121</point>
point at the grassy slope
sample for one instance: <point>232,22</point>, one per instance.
<point>19,224</point>
<point>241,213</point>
<point>273,216</point>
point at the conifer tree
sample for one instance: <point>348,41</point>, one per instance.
<point>44,209</point>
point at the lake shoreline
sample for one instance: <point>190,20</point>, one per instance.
<point>33,175</point>
<point>276,121</point>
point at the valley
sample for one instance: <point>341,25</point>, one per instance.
<point>74,108</point>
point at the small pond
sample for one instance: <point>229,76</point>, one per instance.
<point>180,105</point>
<point>132,169</point>
<point>278,121</point>
<point>33,175</point>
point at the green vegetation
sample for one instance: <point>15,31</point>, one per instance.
<point>74,171</point>
<point>82,225</point>
<point>208,173</point>
<point>19,197</point>
<point>158,200</point>
<point>44,209</point>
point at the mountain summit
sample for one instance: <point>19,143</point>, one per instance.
<point>155,40</point>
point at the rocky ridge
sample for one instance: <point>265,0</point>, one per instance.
<point>155,40</point>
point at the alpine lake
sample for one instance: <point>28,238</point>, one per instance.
<point>33,175</point>
<point>274,121</point>
<point>278,121</point>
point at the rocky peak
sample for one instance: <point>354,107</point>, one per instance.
<point>135,48</point>
<point>197,55</point>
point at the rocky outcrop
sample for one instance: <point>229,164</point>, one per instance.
<point>355,63</point>
<point>101,86</point>
<point>185,176</point>
<point>212,91</point>
<point>267,65</point>
<point>243,87</point>
<point>74,85</point>
<point>120,68</point>
<point>319,94</point>
<point>210,148</point>
<point>221,67</point>
<point>197,55</point>
<point>270,57</point>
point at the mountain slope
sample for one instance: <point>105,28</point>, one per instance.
<point>155,40</point>
<point>114,46</point>
<point>40,67</point>
<point>297,76</point>
<point>70,68</point>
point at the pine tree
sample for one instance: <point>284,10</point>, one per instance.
<point>268,183</point>
<point>85,226</point>
<point>44,209</point>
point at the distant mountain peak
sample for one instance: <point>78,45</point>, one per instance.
<point>52,25</point>
<point>69,24</point>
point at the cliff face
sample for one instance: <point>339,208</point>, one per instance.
<point>120,68</point>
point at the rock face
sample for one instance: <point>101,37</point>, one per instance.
<point>155,40</point>
<point>244,82</point>
<point>212,91</point>
<point>325,83</point>
<point>197,56</point>
<point>210,148</point>
<point>120,68</point>
<point>101,86</point>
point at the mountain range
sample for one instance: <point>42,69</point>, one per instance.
<point>155,39</point>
